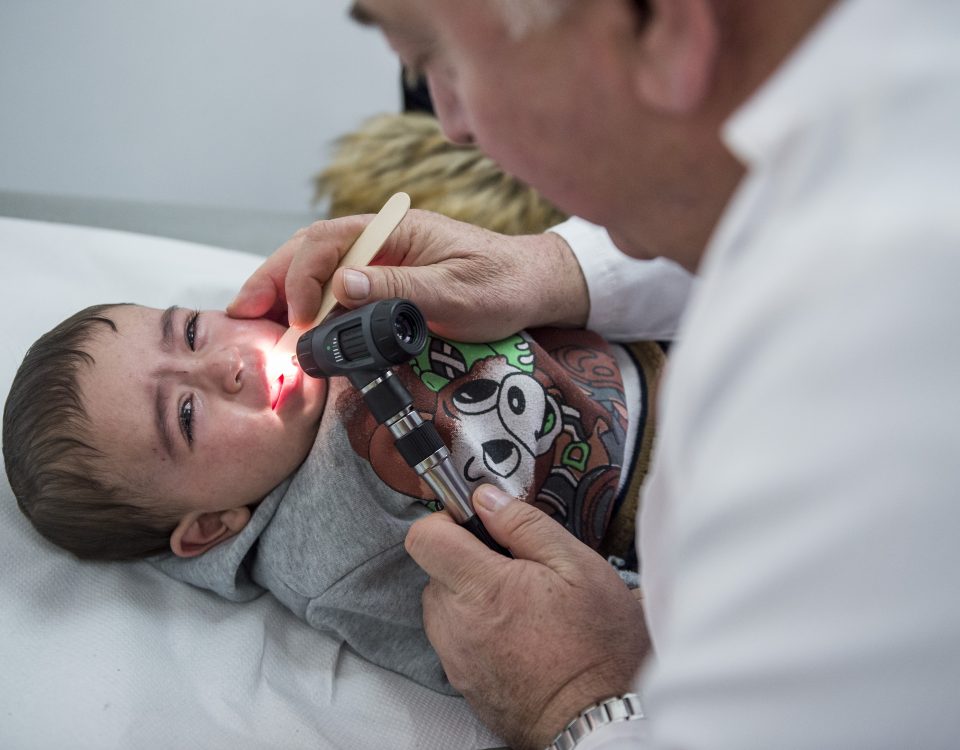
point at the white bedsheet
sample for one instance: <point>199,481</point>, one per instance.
<point>118,656</point>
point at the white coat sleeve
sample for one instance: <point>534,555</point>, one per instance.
<point>630,299</point>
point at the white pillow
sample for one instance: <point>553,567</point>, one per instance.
<point>101,656</point>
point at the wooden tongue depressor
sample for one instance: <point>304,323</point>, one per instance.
<point>361,252</point>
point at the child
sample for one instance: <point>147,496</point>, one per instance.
<point>132,432</point>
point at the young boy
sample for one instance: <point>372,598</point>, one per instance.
<point>132,432</point>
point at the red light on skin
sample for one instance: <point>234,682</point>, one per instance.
<point>276,388</point>
<point>280,368</point>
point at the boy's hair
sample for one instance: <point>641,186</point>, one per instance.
<point>60,479</point>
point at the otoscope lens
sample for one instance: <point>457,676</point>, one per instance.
<point>405,327</point>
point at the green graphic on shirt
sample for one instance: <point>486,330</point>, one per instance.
<point>442,361</point>
<point>576,455</point>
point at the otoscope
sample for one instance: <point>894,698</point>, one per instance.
<point>363,345</point>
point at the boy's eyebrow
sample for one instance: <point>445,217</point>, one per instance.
<point>162,397</point>
<point>166,328</point>
<point>163,427</point>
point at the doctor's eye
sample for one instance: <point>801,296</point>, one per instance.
<point>186,420</point>
<point>190,330</point>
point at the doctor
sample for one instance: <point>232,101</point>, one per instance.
<point>799,528</point>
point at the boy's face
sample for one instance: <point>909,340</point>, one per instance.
<point>181,403</point>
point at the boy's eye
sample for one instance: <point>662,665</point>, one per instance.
<point>190,330</point>
<point>186,420</point>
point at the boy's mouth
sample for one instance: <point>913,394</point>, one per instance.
<point>280,376</point>
<point>276,389</point>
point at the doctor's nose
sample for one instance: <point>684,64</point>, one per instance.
<point>450,113</point>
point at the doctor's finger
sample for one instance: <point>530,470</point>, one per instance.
<point>451,555</point>
<point>317,253</point>
<point>531,534</point>
<point>432,288</point>
<point>263,291</point>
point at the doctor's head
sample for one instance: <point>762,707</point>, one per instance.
<point>131,430</point>
<point>612,109</point>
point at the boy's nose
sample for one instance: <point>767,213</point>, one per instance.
<point>224,369</point>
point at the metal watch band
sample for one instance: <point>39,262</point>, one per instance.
<point>621,708</point>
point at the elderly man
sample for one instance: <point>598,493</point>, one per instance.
<point>798,531</point>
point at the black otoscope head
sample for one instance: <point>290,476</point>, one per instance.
<point>359,343</point>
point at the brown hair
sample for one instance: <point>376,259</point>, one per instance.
<point>58,476</point>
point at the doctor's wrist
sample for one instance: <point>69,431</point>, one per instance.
<point>548,723</point>
<point>564,300</point>
<point>626,707</point>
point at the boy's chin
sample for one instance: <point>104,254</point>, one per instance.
<point>314,393</point>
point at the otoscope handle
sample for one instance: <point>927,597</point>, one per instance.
<point>422,448</point>
<point>425,452</point>
<point>476,528</point>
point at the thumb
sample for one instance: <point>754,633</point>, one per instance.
<point>527,531</point>
<point>357,286</point>
<point>256,298</point>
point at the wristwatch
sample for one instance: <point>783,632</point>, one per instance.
<point>622,708</point>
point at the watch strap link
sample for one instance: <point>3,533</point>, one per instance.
<point>620,708</point>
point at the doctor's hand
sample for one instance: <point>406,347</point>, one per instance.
<point>532,641</point>
<point>472,284</point>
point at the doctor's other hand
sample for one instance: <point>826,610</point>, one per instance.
<point>472,284</point>
<point>529,641</point>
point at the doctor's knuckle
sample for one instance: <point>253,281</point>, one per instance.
<point>482,591</point>
<point>396,282</point>
<point>525,524</point>
<point>319,230</point>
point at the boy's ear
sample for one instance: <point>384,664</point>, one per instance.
<point>197,532</point>
<point>675,54</point>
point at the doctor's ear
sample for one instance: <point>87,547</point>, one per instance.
<point>675,53</point>
<point>197,532</point>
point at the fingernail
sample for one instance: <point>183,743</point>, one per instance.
<point>356,284</point>
<point>491,498</point>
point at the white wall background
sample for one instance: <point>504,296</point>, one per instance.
<point>227,103</point>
